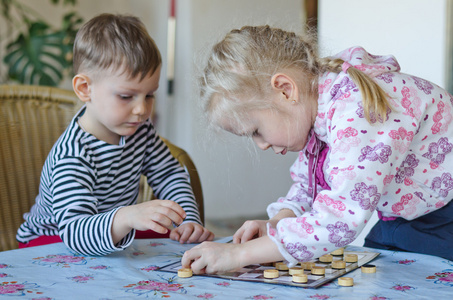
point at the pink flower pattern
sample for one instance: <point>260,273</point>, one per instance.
<point>444,278</point>
<point>401,167</point>
<point>60,260</point>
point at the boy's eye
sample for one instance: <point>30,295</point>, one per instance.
<point>125,97</point>
<point>150,96</point>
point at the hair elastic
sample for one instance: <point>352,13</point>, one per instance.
<point>345,66</point>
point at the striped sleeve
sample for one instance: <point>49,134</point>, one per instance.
<point>167,178</point>
<point>80,225</point>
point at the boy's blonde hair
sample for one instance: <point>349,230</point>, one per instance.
<point>239,71</point>
<point>115,42</point>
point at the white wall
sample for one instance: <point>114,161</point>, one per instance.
<point>237,181</point>
<point>414,31</point>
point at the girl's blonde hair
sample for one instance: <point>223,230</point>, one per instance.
<point>238,73</point>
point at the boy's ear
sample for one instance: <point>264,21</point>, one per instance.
<point>282,83</point>
<point>81,86</point>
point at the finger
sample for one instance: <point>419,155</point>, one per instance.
<point>154,226</point>
<point>186,260</point>
<point>165,217</point>
<point>186,233</point>
<point>175,207</point>
<point>196,234</point>
<point>206,236</point>
<point>174,234</point>
<point>157,220</point>
<point>211,236</point>
<point>248,235</point>
<point>238,235</point>
<point>198,266</point>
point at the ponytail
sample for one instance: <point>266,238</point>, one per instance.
<point>374,99</point>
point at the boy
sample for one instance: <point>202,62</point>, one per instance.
<point>90,180</point>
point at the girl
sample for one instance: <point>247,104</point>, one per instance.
<point>370,138</point>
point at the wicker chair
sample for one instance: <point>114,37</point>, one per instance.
<point>31,120</point>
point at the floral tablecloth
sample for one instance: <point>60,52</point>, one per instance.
<point>54,272</point>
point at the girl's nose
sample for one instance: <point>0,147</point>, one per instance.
<point>263,145</point>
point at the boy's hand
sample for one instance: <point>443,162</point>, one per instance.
<point>156,215</point>
<point>191,233</point>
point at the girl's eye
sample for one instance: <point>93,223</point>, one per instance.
<point>151,96</point>
<point>125,97</point>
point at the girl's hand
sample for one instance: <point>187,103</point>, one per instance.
<point>210,258</point>
<point>156,215</point>
<point>191,233</point>
<point>250,230</point>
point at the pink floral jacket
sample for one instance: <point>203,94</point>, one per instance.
<point>401,168</point>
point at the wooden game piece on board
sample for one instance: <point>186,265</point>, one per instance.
<point>339,251</point>
<point>184,273</point>
<point>270,273</point>
<point>338,264</point>
<point>281,266</point>
<point>296,270</point>
<point>351,258</point>
<point>307,265</point>
<point>368,268</point>
<point>318,270</point>
<point>300,278</point>
<point>326,258</point>
<point>345,281</point>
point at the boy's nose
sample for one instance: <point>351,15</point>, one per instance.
<point>139,108</point>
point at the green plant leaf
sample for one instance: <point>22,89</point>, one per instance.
<point>39,56</point>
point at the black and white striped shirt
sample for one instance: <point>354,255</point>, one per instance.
<point>85,181</point>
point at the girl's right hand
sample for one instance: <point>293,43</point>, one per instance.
<point>250,230</point>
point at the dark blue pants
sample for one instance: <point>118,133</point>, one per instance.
<point>429,234</point>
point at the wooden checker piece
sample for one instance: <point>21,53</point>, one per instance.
<point>307,265</point>
<point>184,273</point>
<point>368,268</point>
<point>296,270</point>
<point>338,252</point>
<point>318,270</point>
<point>300,278</point>
<point>326,258</point>
<point>351,258</point>
<point>345,281</point>
<point>338,264</point>
<point>271,273</point>
<point>281,266</point>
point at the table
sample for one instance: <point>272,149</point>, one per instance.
<point>54,272</point>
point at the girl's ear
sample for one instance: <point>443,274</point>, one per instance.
<point>282,83</point>
<point>81,86</point>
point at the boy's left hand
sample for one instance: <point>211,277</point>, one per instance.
<point>191,233</point>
